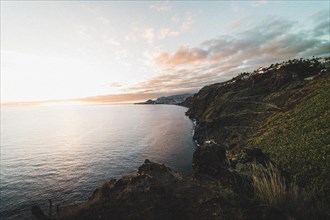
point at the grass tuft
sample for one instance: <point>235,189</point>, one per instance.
<point>271,188</point>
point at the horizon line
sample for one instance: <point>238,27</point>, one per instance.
<point>126,98</point>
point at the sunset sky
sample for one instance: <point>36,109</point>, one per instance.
<point>126,51</point>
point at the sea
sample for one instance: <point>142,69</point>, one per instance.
<point>64,153</point>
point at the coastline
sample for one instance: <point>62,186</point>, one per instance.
<point>225,164</point>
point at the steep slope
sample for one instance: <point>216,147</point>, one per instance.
<point>299,139</point>
<point>230,112</point>
<point>282,109</point>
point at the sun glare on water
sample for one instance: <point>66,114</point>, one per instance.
<point>67,103</point>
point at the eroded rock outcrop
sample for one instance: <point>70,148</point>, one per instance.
<point>158,192</point>
<point>210,159</point>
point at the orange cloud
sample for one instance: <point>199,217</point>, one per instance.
<point>115,84</point>
<point>184,55</point>
<point>121,98</point>
<point>104,99</point>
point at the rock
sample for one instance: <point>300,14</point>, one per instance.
<point>158,192</point>
<point>253,154</point>
<point>38,213</point>
<point>210,159</point>
<point>244,160</point>
<point>159,171</point>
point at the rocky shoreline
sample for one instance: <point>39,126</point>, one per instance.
<point>213,191</point>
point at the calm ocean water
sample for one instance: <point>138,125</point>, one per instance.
<point>64,153</point>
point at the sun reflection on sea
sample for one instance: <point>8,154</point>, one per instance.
<point>67,103</point>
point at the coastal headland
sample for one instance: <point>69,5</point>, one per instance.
<point>262,153</point>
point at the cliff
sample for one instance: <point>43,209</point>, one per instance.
<point>282,109</point>
<point>263,153</point>
<point>230,112</point>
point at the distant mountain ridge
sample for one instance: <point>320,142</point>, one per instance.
<point>169,100</point>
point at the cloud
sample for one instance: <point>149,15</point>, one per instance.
<point>184,22</point>
<point>187,23</point>
<point>116,85</point>
<point>258,3</point>
<point>321,20</point>
<point>130,37</point>
<point>83,32</point>
<point>237,7</point>
<point>184,55</point>
<point>149,34</point>
<point>161,7</point>
<point>103,20</point>
<point>272,40</point>
<point>167,32</point>
<point>111,41</point>
<point>120,98</point>
<point>111,98</point>
<point>180,81</point>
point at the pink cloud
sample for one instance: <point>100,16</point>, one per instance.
<point>184,55</point>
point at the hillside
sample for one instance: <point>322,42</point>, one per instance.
<point>230,112</point>
<point>299,138</point>
<point>282,109</point>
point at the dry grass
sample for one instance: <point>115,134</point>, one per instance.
<point>272,188</point>
<point>274,192</point>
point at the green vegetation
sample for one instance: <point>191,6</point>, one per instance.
<point>284,110</point>
<point>232,111</point>
<point>299,139</point>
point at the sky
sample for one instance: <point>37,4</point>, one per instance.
<point>123,51</point>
